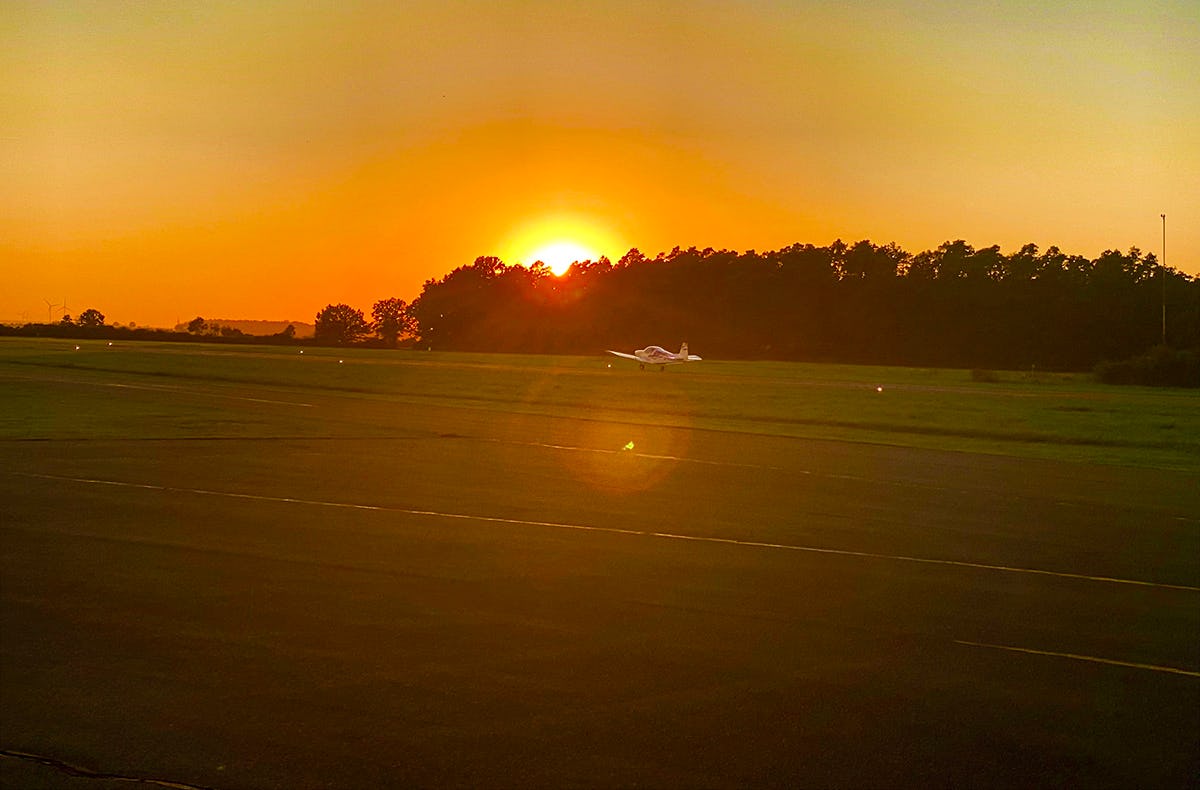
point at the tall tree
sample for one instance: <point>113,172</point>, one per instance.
<point>392,319</point>
<point>91,317</point>
<point>341,324</point>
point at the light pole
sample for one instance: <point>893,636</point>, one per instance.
<point>1162,269</point>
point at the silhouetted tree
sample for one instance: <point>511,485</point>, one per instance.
<point>392,320</point>
<point>197,326</point>
<point>632,258</point>
<point>91,317</point>
<point>341,323</point>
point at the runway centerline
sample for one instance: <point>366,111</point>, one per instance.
<point>1077,657</point>
<point>619,531</point>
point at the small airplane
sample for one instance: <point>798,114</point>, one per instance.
<point>657,355</point>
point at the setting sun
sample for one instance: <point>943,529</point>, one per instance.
<point>560,240</point>
<point>559,255</point>
<point>350,152</point>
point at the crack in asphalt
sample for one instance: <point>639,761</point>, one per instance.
<point>85,773</point>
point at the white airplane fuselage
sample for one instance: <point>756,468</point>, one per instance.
<point>657,355</point>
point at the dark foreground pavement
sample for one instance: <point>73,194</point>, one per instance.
<point>514,602</point>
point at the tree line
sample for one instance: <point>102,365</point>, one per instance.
<point>954,306</point>
<point>341,324</point>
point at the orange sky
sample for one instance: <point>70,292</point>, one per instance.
<point>261,160</point>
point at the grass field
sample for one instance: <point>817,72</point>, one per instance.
<point>1051,416</point>
<point>231,567</point>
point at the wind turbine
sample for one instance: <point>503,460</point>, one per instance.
<point>49,309</point>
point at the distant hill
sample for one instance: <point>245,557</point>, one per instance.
<point>261,328</point>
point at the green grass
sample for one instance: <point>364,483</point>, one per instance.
<point>150,388</point>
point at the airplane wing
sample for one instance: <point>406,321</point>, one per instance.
<point>624,356</point>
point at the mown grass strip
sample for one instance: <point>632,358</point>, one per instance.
<point>1063,417</point>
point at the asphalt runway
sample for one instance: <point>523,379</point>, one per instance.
<point>482,599</point>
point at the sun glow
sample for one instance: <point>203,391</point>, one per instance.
<point>558,242</point>
<point>559,255</point>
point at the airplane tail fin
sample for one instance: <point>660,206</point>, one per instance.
<point>683,351</point>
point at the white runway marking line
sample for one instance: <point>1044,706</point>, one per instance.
<point>619,531</point>
<point>1076,657</point>
<point>209,394</point>
<point>265,400</point>
<point>175,388</point>
<point>603,451</point>
<point>741,464</point>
